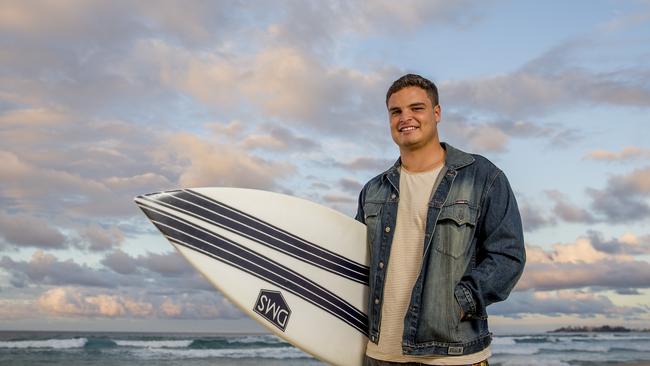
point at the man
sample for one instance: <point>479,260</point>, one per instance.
<point>445,240</point>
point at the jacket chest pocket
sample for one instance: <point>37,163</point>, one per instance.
<point>372,218</point>
<point>455,228</point>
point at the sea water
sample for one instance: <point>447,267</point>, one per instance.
<point>169,349</point>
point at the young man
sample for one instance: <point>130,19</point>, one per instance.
<point>445,240</point>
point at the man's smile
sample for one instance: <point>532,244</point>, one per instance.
<point>408,128</point>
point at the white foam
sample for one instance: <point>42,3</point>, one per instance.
<point>154,344</point>
<point>47,343</point>
<point>266,338</point>
<point>273,352</point>
<point>503,340</point>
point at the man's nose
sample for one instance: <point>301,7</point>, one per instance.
<point>405,117</point>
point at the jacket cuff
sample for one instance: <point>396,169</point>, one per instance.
<point>465,300</point>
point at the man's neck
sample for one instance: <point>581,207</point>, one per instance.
<point>421,160</point>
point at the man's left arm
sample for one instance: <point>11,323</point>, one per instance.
<point>500,252</point>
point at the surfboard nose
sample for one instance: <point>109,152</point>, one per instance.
<point>154,196</point>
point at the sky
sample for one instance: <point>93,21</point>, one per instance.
<point>103,100</point>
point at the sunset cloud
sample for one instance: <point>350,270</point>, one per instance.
<point>204,163</point>
<point>628,153</point>
<point>75,302</point>
<point>563,302</point>
<point>589,261</point>
<point>98,238</point>
<point>624,198</point>
<point>79,302</point>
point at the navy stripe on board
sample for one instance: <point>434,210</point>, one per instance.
<point>266,234</point>
<point>354,266</point>
<point>224,216</point>
<point>185,233</point>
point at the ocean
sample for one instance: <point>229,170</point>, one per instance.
<point>165,349</point>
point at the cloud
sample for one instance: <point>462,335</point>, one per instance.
<point>494,136</point>
<point>350,185</point>
<point>207,163</point>
<point>629,153</point>
<point>625,197</point>
<point>480,137</point>
<point>282,83</point>
<point>81,51</point>
<point>168,264</point>
<point>567,211</point>
<point>532,217</point>
<point>46,269</point>
<point>628,244</point>
<point>199,307</point>
<point>98,238</point>
<point>15,172</point>
<point>278,138</point>
<point>76,168</point>
<point>33,117</point>
<point>336,198</point>
<point>546,84</point>
<point>80,302</point>
<point>364,163</point>
<point>316,26</point>
<point>77,302</point>
<point>11,309</point>
<point>29,231</point>
<point>588,262</point>
<point>562,302</point>
<point>159,272</point>
<point>120,262</point>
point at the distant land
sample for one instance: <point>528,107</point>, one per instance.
<point>601,329</point>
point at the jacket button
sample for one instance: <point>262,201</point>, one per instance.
<point>377,301</point>
<point>387,229</point>
<point>392,196</point>
<point>381,265</point>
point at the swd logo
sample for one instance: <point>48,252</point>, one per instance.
<point>272,307</point>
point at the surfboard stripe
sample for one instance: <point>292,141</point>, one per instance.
<point>304,248</point>
<point>220,248</point>
<point>226,217</point>
<point>260,266</point>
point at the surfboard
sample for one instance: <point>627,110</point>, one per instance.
<point>298,268</point>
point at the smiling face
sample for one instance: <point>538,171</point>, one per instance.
<point>413,119</point>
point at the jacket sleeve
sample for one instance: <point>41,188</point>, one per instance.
<point>500,252</point>
<point>360,216</point>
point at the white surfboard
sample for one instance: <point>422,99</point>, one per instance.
<point>297,267</point>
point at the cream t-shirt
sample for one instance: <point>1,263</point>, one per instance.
<point>403,269</point>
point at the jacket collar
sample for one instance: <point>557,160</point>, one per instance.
<point>455,159</point>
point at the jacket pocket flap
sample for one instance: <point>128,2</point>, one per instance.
<point>371,209</point>
<point>461,213</point>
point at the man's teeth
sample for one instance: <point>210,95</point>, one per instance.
<point>406,129</point>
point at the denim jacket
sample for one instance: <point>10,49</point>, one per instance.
<point>473,254</point>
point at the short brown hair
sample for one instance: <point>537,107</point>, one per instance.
<point>414,80</point>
